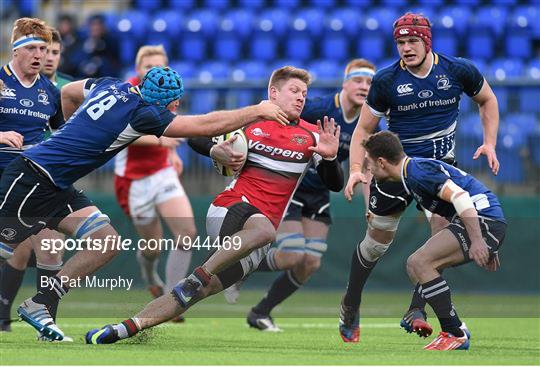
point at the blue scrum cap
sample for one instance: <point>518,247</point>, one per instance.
<point>161,85</point>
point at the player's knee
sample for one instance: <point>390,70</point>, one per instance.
<point>291,249</point>
<point>371,249</point>
<point>311,264</point>
<point>288,259</point>
<point>412,264</point>
<point>266,235</point>
<point>45,257</point>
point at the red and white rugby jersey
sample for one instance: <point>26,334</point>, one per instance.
<point>278,158</point>
<point>136,162</point>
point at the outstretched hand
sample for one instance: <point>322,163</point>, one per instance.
<point>491,155</point>
<point>355,177</point>
<point>328,139</point>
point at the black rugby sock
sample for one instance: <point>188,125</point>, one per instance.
<point>437,295</point>
<point>358,276</point>
<point>10,282</point>
<point>285,285</point>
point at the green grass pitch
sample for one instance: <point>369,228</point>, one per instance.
<point>505,331</point>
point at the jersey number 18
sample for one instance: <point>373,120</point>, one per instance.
<point>97,109</point>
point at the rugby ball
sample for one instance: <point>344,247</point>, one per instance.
<point>239,145</point>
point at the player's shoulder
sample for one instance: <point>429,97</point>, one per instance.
<point>457,65</point>
<point>303,124</point>
<point>134,80</point>
<point>424,166</point>
<point>388,73</point>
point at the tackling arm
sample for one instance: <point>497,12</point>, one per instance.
<point>367,123</point>
<point>72,97</point>
<point>331,174</point>
<point>220,122</point>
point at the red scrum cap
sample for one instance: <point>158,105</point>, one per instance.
<point>412,24</point>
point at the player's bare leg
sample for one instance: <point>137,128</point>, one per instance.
<point>424,266</point>
<point>35,310</point>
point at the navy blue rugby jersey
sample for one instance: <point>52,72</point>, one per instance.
<point>112,116</point>
<point>424,179</point>
<point>27,110</point>
<point>423,111</point>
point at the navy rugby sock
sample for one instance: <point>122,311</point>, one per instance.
<point>51,294</point>
<point>10,282</point>
<point>417,300</point>
<point>285,285</point>
<point>437,295</point>
<point>40,272</point>
<point>358,275</point>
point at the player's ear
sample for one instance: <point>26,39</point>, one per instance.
<point>272,92</point>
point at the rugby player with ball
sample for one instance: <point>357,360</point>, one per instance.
<point>251,207</point>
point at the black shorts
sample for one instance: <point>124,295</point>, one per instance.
<point>310,204</point>
<point>388,198</point>
<point>29,201</point>
<point>493,232</point>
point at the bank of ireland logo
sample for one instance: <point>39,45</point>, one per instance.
<point>426,93</point>
<point>404,89</point>
<point>43,98</point>
<point>26,103</point>
<point>443,83</point>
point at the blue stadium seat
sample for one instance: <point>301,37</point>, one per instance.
<point>203,21</point>
<point>239,21</point>
<point>358,3</point>
<point>431,2</point>
<point>371,45</point>
<point>217,5</point>
<point>206,100</point>
<point>395,3</point>
<point>491,17</point>
<point>381,18</point>
<point>252,4</point>
<point>252,70</point>
<point>276,64</point>
<point>181,4</point>
<point>335,46</point>
<point>275,21</point>
<point>468,2</point>
<point>502,69</point>
<point>322,4</point>
<point>213,71</point>
<point>128,49</point>
<point>186,69</point>
<point>480,45</point>
<point>454,17</point>
<point>345,19</point>
<point>529,98</point>
<point>263,46</point>
<point>133,24</point>
<point>534,145</point>
<point>526,123</point>
<point>299,46</point>
<point>167,22</point>
<point>445,42</point>
<point>326,69</point>
<point>509,146</point>
<point>468,139</point>
<point>147,5</point>
<point>309,19</point>
<point>525,17</point>
<point>192,47</point>
<point>502,95</point>
<point>227,47</point>
<point>533,69</point>
<point>386,62</point>
<point>518,44</point>
<point>286,4</point>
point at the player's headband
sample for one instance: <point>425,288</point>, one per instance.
<point>27,40</point>
<point>358,72</point>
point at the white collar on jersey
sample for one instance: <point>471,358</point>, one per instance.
<point>10,65</point>
<point>429,71</point>
<point>404,163</point>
